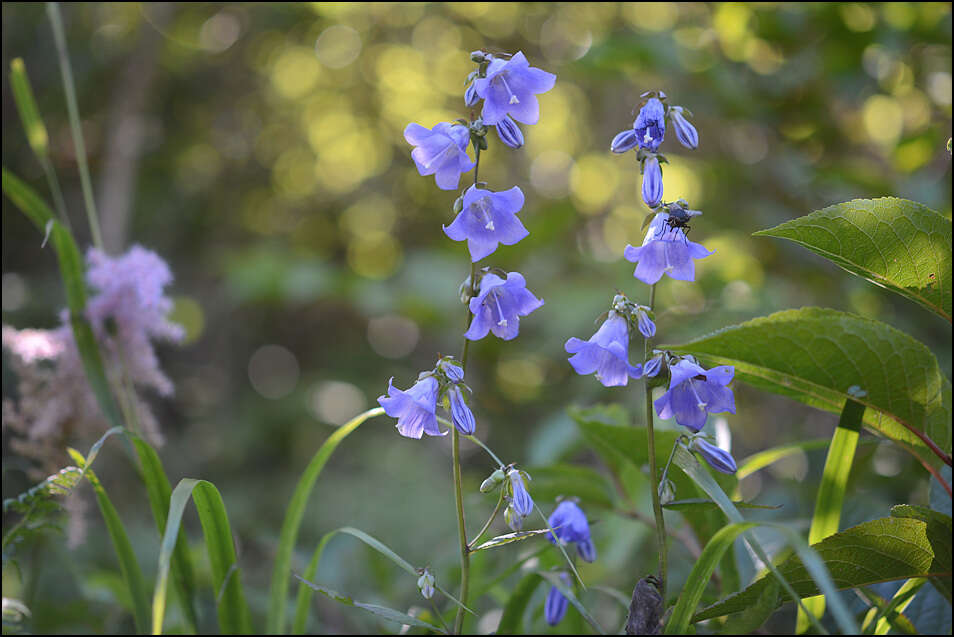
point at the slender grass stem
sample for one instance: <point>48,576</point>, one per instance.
<point>490,520</point>
<point>59,36</point>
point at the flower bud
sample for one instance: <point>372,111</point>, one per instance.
<point>624,141</point>
<point>685,132</point>
<point>513,519</point>
<point>453,370</point>
<point>425,583</point>
<point>652,182</point>
<point>667,492</point>
<point>478,56</point>
<point>646,326</point>
<point>718,459</point>
<point>522,502</point>
<point>509,133</point>
<point>470,96</point>
<point>554,609</point>
<point>462,415</point>
<point>652,366</point>
<point>458,205</point>
<point>587,550</point>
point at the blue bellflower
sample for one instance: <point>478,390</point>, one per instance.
<point>695,392</point>
<point>461,414</point>
<point>487,219</point>
<point>509,133</point>
<point>685,132</point>
<point>522,503</point>
<point>606,353</point>
<point>719,459</point>
<point>441,151</point>
<point>645,324</point>
<point>652,182</point>
<point>510,88</point>
<point>665,250</point>
<point>569,523</point>
<point>414,408</point>
<point>499,306</point>
<point>650,124</point>
<point>624,141</point>
<point>554,608</point>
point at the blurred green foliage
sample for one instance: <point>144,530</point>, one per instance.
<point>258,148</point>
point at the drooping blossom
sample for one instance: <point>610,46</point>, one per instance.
<point>685,132</point>
<point>650,124</point>
<point>645,324</point>
<point>652,189</point>
<point>606,353</point>
<point>511,88</point>
<point>570,525</point>
<point>487,219</point>
<point>695,392</point>
<point>415,408</point>
<point>555,606</point>
<point>499,306</point>
<point>624,141</point>
<point>719,459</point>
<point>665,250</point>
<point>522,503</point>
<point>461,414</point>
<point>441,151</point>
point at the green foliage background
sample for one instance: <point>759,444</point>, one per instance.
<point>259,150</point>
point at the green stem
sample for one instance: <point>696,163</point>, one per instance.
<point>654,477</point>
<point>54,185</point>
<point>56,21</point>
<point>490,521</point>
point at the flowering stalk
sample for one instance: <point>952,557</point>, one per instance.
<point>653,476</point>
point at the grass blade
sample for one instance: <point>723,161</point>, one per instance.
<point>281,574</point>
<point>699,577</point>
<point>762,459</point>
<point>511,622</point>
<point>233,612</point>
<point>128,565</point>
<point>26,105</point>
<point>831,494</point>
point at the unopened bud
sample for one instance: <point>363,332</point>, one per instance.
<point>426,584</point>
<point>492,481</point>
<point>513,519</point>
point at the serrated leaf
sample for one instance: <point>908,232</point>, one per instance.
<point>816,355</point>
<point>381,611</point>
<point>901,245</point>
<point>508,538</point>
<point>939,533</point>
<point>881,550</point>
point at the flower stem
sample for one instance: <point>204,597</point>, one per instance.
<point>461,524</point>
<point>654,477</point>
<point>490,521</point>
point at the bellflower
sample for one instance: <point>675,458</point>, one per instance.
<point>522,503</point>
<point>719,459</point>
<point>499,306</point>
<point>646,326</point>
<point>665,250</point>
<point>413,408</point>
<point>624,141</point>
<point>441,151</point>
<point>695,392</point>
<point>685,132</point>
<point>569,523</point>
<point>461,414</point>
<point>554,609</point>
<point>650,124</point>
<point>487,219</point>
<point>652,366</point>
<point>509,133</point>
<point>470,96</point>
<point>606,353</point>
<point>652,182</point>
<point>510,88</point>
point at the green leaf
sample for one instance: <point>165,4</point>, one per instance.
<point>701,504</point>
<point>511,622</point>
<point>817,355</point>
<point>555,580</point>
<point>128,565</point>
<point>303,599</point>
<point>939,534</point>
<point>699,577</point>
<point>831,493</point>
<point>752,618</point>
<point>881,550</point>
<point>381,611</point>
<point>898,244</point>
<point>278,593</point>
<point>233,612</point>
<point>26,106</point>
<point>761,459</point>
<point>884,616</point>
<point>509,538</point>
<point>814,565</point>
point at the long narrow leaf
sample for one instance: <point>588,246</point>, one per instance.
<point>281,574</point>
<point>831,494</point>
<point>693,469</point>
<point>760,460</point>
<point>233,612</point>
<point>699,577</point>
<point>26,106</point>
<point>381,611</point>
<point>883,617</point>
<point>511,622</point>
<point>128,565</point>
